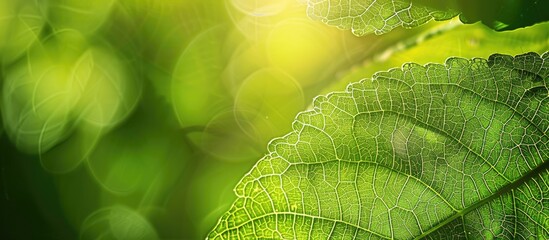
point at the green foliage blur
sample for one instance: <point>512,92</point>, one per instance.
<point>134,119</point>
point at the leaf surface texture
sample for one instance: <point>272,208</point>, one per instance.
<point>439,151</point>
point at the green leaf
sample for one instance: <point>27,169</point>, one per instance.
<point>381,16</point>
<point>377,16</point>
<point>502,15</point>
<point>439,151</point>
<point>466,41</point>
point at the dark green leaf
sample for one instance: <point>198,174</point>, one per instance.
<point>381,16</point>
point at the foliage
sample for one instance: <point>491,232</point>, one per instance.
<point>424,151</point>
<point>381,16</point>
<point>135,118</point>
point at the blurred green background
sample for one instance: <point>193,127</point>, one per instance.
<point>134,119</point>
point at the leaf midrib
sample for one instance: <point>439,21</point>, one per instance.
<point>503,190</point>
